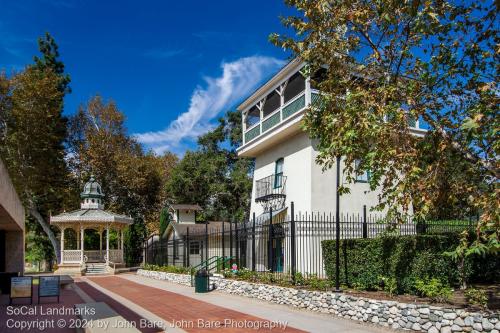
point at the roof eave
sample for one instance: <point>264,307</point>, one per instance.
<point>283,72</point>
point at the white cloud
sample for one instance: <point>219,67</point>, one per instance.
<point>239,78</point>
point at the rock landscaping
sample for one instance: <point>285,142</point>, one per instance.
<point>416,317</point>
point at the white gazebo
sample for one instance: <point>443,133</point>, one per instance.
<point>90,216</point>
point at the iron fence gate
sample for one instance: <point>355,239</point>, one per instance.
<point>281,243</point>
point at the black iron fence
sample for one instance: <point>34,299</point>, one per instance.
<point>280,243</point>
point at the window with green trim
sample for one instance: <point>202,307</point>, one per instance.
<point>278,173</point>
<point>362,176</point>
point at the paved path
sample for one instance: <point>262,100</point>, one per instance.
<point>190,314</point>
<point>140,322</point>
<point>179,305</point>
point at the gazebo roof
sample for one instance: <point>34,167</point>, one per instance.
<point>91,215</point>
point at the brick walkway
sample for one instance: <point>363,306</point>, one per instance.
<point>183,311</point>
<point>123,311</point>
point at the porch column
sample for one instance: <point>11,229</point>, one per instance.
<point>100,241</point>
<point>107,244</point>
<point>121,242</point>
<point>82,236</point>
<point>308,97</point>
<point>62,245</point>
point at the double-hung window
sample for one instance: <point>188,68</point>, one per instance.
<point>278,173</point>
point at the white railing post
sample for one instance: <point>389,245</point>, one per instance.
<point>307,100</point>
<point>107,244</point>
<point>82,238</point>
<point>62,245</point>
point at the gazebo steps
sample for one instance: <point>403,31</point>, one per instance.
<point>96,269</point>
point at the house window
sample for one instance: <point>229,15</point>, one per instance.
<point>253,117</point>
<point>273,101</point>
<point>296,85</point>
<point>194,247</point>
<point>278,173</point>
<point>362,176</point>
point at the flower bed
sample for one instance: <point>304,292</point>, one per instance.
<point>397,315</point>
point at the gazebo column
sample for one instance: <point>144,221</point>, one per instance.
<point>107,244</point>
<point>62,245</point>
<point>100,242</point>
<point>121,242</point>
<point>82,236</point>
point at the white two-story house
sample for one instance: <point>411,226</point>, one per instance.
<point>285,157</point>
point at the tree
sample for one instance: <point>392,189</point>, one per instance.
<point>32,135</point>
<point>133,181</point>
<point>50,60</point>
<point>389,63</point>
<point>32,146</point>
<point>164,220</point>
<point>214,176</point>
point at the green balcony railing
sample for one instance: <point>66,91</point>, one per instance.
<point>271,121</point>
<point>252,133</point>
<point>314,97</point>
<point>293,107</point>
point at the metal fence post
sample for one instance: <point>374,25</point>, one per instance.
<point>174,250</point>
<point>237,244</point>
<point>223,243</point>
<point>271,236</point>
<point>253,243</point>
<point>166,252</point>
<point>188,247</point>
<point>292,242</point>
<point>365,224</point>
<point>206,245</point>
<point>231,240</point>
<point>337,229</point>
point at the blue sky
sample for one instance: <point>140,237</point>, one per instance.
<point>173,67</point>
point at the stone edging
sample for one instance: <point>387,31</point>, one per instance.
<point>416,317</point>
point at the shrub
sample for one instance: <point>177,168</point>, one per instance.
<point>167,269</point>
<point>476,297</point>
<point>390,285</point>
<point>403,259</point>
<point>434,289</point>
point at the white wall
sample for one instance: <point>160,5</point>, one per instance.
<point>296,152</point>
<point>187,216</point>
<point>324,191</point>
<point>307,185</point>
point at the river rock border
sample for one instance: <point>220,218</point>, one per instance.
<point>416,317</point>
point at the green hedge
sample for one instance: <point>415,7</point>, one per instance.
<point>366,263</point>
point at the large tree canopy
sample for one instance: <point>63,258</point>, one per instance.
<point>132,180</point>
<point>389,63</point>
<point>213,176</point>
<point>32,147</point>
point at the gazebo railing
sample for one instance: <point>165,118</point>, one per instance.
<point>71,256</point>
<point>116,256</point>
<point>95,255</point>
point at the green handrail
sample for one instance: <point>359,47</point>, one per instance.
<point>218,260</point>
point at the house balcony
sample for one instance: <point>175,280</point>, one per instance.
<point>292,108</point>
<point>270,188</point>
<point>285,121</point>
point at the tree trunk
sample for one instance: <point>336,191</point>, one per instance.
<point>46,227</point>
